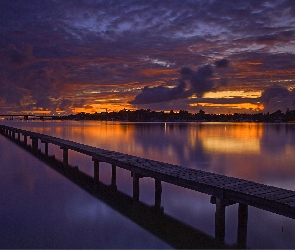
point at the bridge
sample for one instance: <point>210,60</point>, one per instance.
<point>224,190</point>
<point>26,116</point>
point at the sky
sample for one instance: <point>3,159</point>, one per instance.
<point>221,56</point>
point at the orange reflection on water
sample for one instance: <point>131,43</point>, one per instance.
<point>108,135</point>
<point>253,151</point>
<point>230,138</point>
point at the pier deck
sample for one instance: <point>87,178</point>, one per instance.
<point>223,189</point>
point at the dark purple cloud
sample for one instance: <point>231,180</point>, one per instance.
<point>274,92</point>
<point>201,80</point>
<point>54,50</point>
<point>186,73</point>
<point>159,94</point>
<point>223,63</point>
<point>191,82</point>
<point>277,97</point>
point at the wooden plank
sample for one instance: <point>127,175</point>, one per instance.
<point>291,204</point>
<point>245,187</point>
<point>287,200</point>
<point>259,189</point>
<point>276,195</point>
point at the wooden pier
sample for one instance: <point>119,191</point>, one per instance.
<point>170,230</point>
<point>224,190</point>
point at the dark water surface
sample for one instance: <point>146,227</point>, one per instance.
<point>42,209</point>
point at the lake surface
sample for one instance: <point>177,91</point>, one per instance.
<point>42,209</point>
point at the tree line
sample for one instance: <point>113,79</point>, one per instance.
<point>147,115</point>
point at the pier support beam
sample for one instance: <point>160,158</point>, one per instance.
<point>242,225</point>
<point>25,139</point>
<point>220,220</point>
<point>114,177</point>
<point>221,204</point>
<point>65,155</point>
<point>158,194</point>
<point>96,170</point>
<point>18,136</point>
<point>34,144</point>
<point>45,147</point>
<point>135,187</point>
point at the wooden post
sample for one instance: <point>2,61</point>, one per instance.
<point>135,187</point>
<point>96,170</point>
<point>114,177</point>
<point>34,144</point>
<point>65,156</point>
<point>18,136</point>
<point>158,193</point>
<point>46,148</point>
<point>25,139</point>
<point>242,225</point>
<point>220,220</point>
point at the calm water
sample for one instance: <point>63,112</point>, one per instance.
<point>41,209</point>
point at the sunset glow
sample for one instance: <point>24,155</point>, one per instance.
<point>87,56</point>
<point>233,94</point>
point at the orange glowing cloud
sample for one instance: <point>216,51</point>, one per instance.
<point>239,106</point>
<point>153,72</point>
<point>232,94</point>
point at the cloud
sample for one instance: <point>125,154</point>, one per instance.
<point>274,93</point>
<point>159,94</point>
<point>186,73</point>
<point>16,57</point>
<point>223,63</point>
<point>277,97</point>
<point>16,98</point>
<point>199,82</point>
<point>55,50</point>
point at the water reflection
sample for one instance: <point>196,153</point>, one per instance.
<point>254,151</point>
<point>260,152</point>
<point>152,218</point>
<point>245,150</point>
<point>41,209</point>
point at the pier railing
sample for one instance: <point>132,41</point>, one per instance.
<point>224,190</point>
